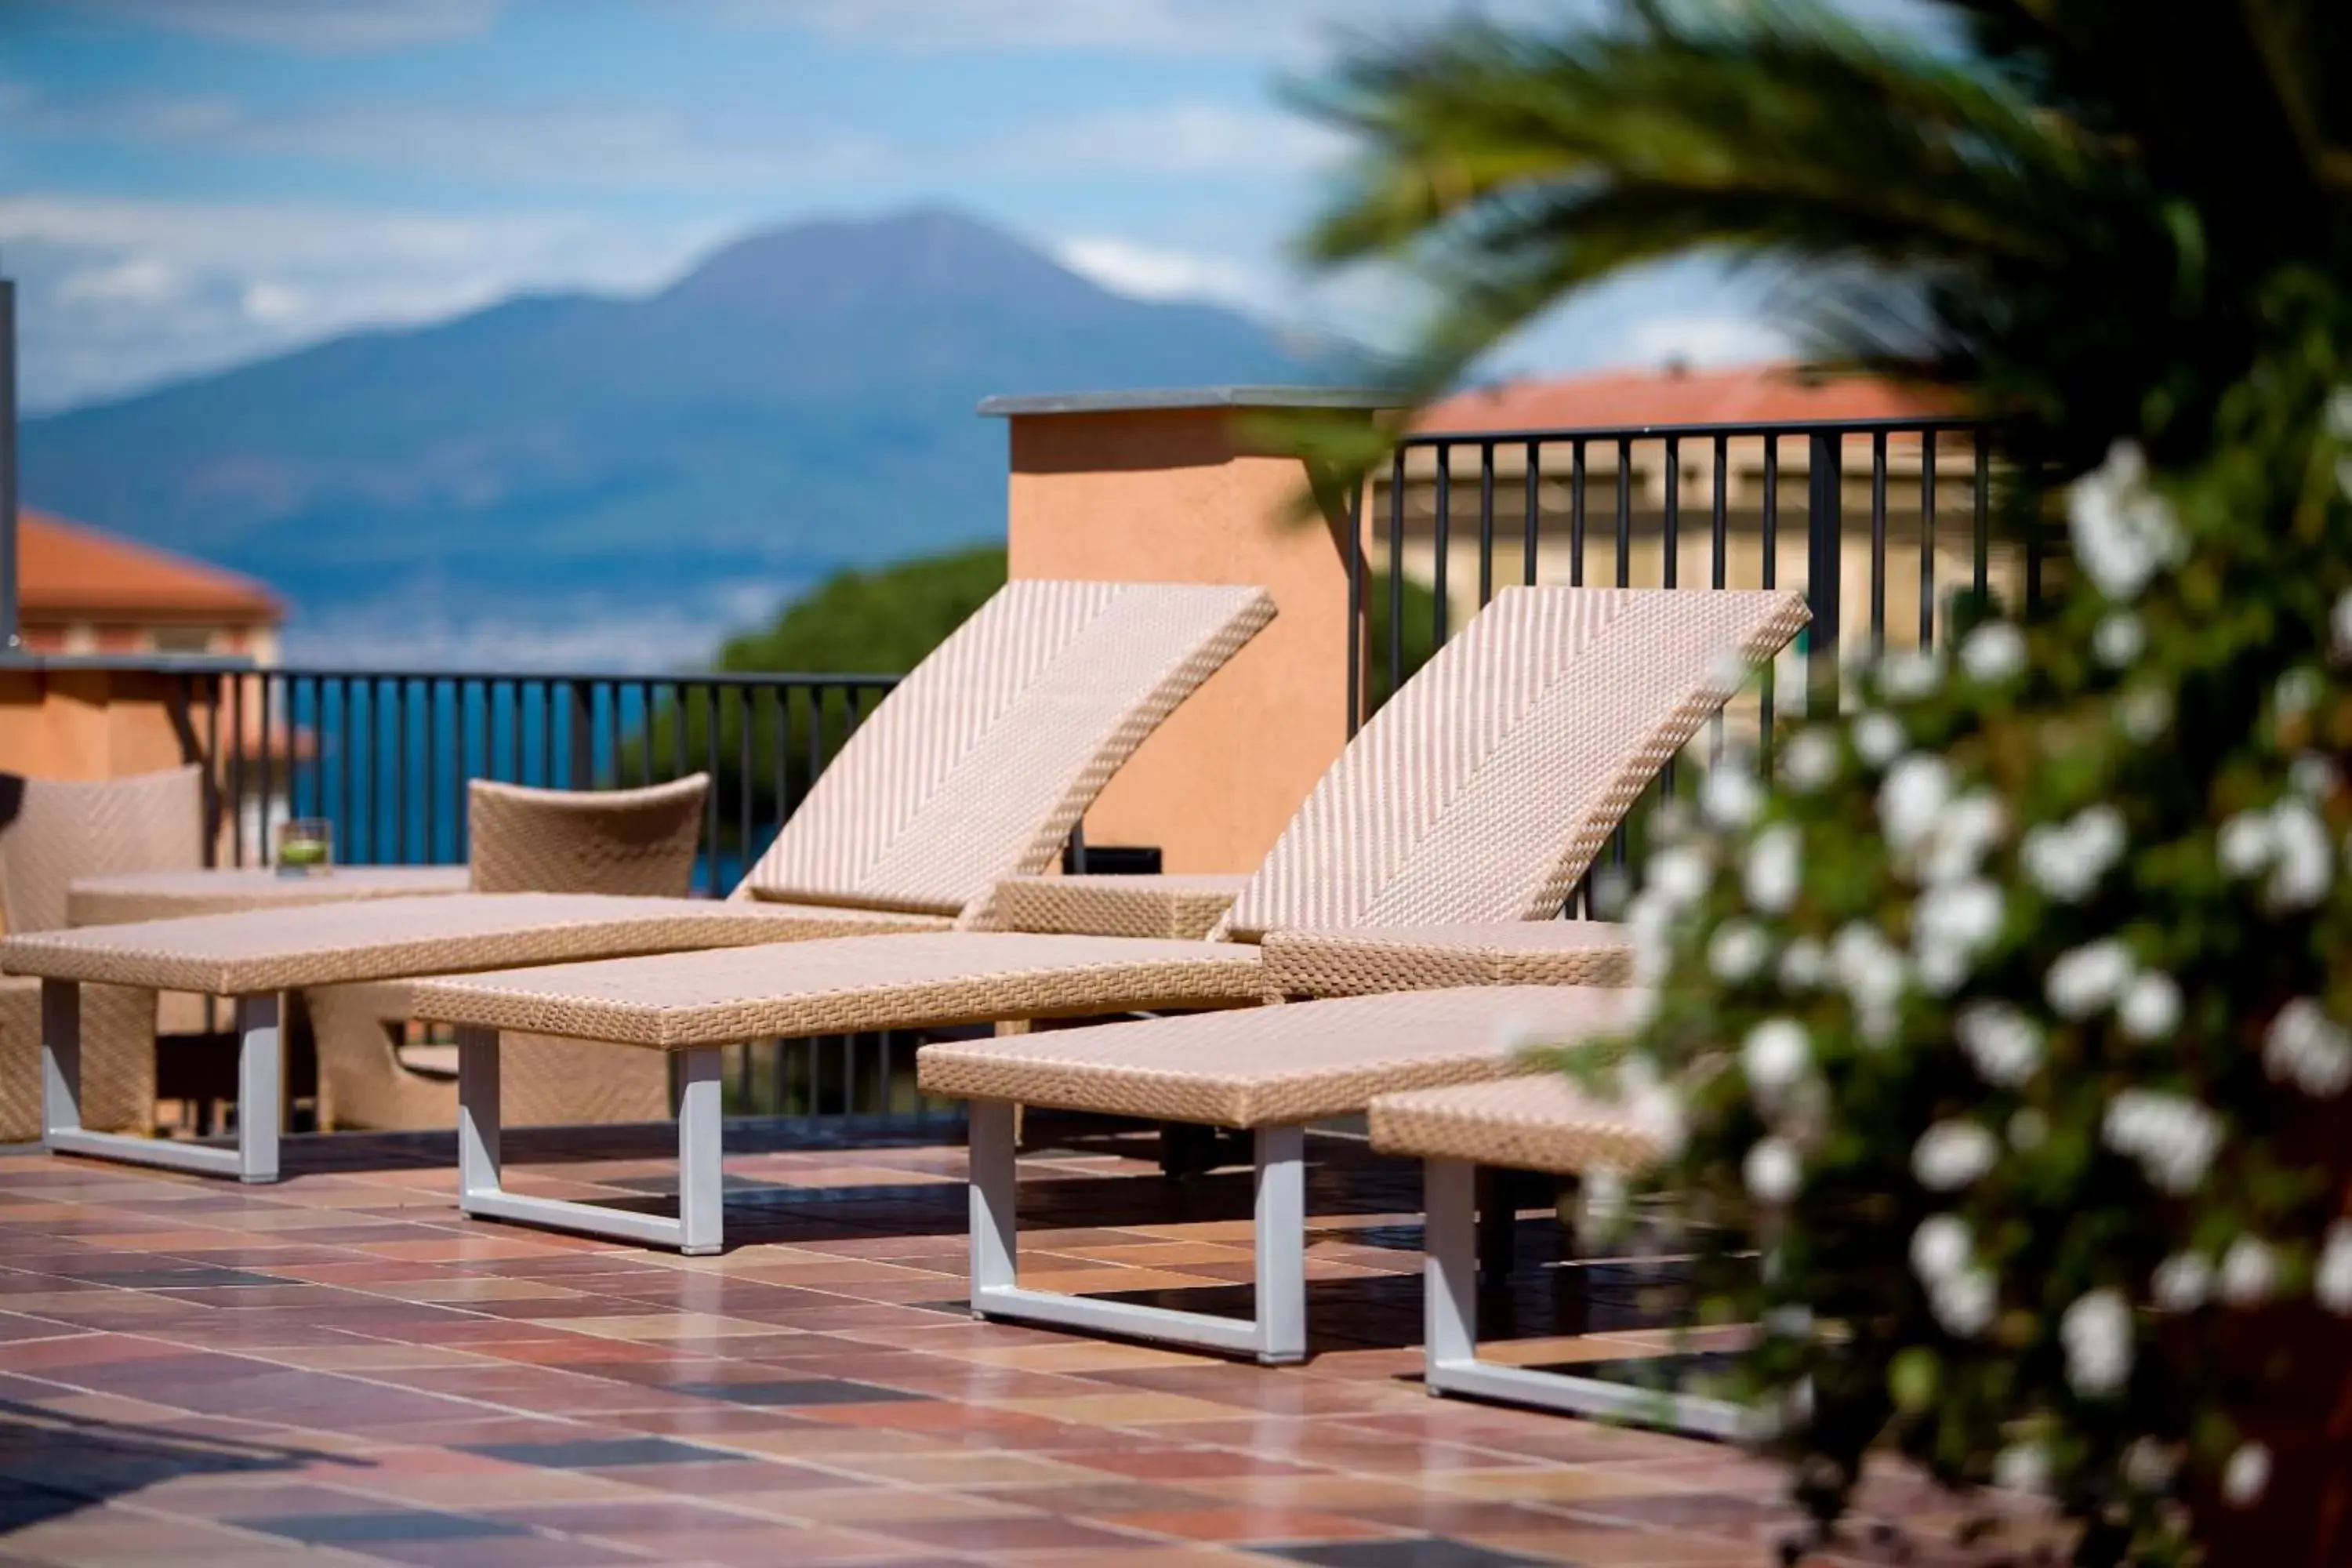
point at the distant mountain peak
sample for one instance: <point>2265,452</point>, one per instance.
<point>933,253</point>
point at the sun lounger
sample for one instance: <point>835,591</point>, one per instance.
<point>1480,792</point>
<point>1268,1072</point>
<point>1537,1123</point>
<point>974,770</point>
<point>1363,961</point>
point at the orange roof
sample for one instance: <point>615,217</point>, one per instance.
<point>71,570</point>
<point>1764,394</point>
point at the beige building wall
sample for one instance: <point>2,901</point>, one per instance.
<point>1147,492</point>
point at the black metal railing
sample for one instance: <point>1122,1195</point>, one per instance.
<point>1892,527</point>
<point>384,757</point>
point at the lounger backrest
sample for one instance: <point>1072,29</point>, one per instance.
<point>978,765</point>
<point>1484,788</point>
<point>54,830</point>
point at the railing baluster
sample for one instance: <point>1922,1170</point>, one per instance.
<point>1356,623</point>
<point>744,781</point>
<point>1442,524</point>
<point>1877,542</point>
<point>1672,572</point>
<point>432,690</point>
<point>1927,538</point>
<point>1576,516</point>
<point>1396,573</point>
<point>268,775</point>
<point>710,798</point>
<point>1624,512</point>
<point>1485,524</point>
<point>1771,565</point>
<point>1825,549</point>
<point>1534,479</point>
<point>1720,574</point>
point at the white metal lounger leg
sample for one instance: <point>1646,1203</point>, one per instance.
<point>1450,1330</point>
<point>1276,1335</point>
<point>260,1105</point>
<point>697,1229</point>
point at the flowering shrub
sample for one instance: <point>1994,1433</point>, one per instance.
<point>1997,1010</point>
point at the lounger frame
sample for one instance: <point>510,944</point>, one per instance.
<point>260,1094</point>
<point>1276,1334</point>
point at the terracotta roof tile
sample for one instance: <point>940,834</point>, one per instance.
<point>71,570</point>
<point>1752,394</point>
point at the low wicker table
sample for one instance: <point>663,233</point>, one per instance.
<point>173,895</point>
<point>255,955</point>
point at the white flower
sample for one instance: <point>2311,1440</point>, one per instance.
<point>1994,653</point>
<point>2304,860</point>
<point>2182,1282</point>
<point>1736,951</point>
<point>2119,639</point>
<point>2339,413</point>
<point>2022,1468</point>
<point>2150,1008</point>
<point>1772,1171</point>
<point>2247,1474</point>
<point>2124,533</point>
<point>2096,1333</point>
<point>1775,1056</point>
<point>1650,921</point>
<point>1909,674</point>
<point>1950,925</point>
<point>2331,1281</point>
<point>1953,1154</point>
<point>1679,875</point>
<point>1773,872</point>
<point>2174,1139</point>
<point>2307,1048</point>
<point>2298,691</point>
<point>1730,797</point>
<point>1965,1303</point>
<point>2246,843</point>
<point>2249,1272</point>
<point>2313,778</point>
<point>2067,859</point>
<point>2147,1465</point>
<point>1916,789</point>
<point>1941,1248</point>
<point>1654,1102</point>
<point>1810,760</point>
<point>2143,712</point>
<point>1878,738</point>
<point>2086,979</point>
<point>1802,964</point>
<point>2002,1044</point>
<point>1790,1322</point>
<point>2339,622</point>
<point>1967,830</point>
<point>1871,971</point>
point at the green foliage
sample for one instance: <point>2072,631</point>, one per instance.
<point>855,623</point>
<point>872,623</point>
<point>2002,1017</point>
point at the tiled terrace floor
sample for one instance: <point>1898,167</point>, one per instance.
<point>339,1369</point>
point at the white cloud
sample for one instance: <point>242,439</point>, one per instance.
<point>1185,139</point>
<point>1284,29</point>
<point>118,293</point>
<point>314,27</point>
<point>1702,339</point>
<point>1149,272</point>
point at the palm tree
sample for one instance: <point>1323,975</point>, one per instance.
<point>2126,224</point>
<point>2069,208</point>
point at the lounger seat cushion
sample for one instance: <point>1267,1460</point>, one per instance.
<point>1276,1065</point>
<point>1173,906</point>
<point>1365,960</point>
<point>1540,1124</point>
<point>701,1000</point>
<point>330,944</point>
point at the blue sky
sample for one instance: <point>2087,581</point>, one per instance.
<point>186,184</point>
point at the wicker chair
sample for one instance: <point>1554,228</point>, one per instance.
<point>51,832</point>
<point>635,841</point>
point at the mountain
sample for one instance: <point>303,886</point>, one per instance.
<point>593,466</point>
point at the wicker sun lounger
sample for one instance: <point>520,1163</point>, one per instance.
<point>1269,1072</point>
<point>1539,1123</point>
<point>974,770</point>
<point>1480,792</point>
